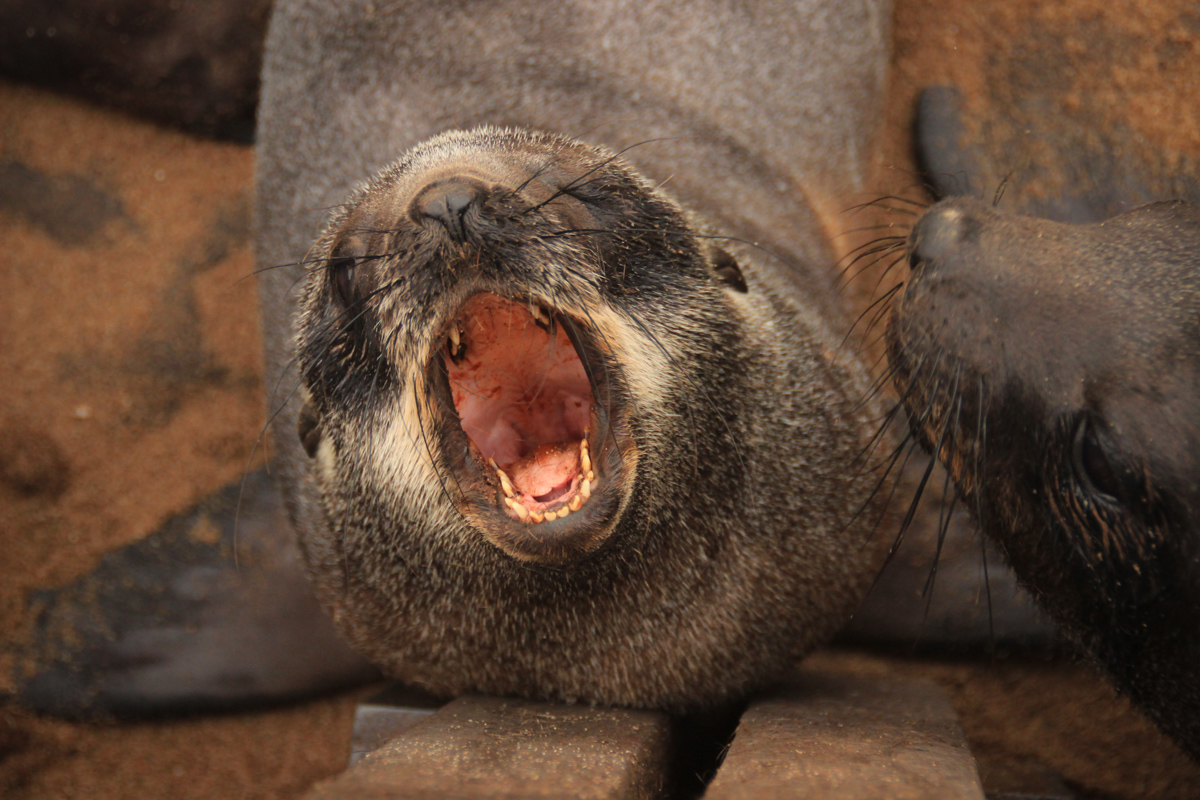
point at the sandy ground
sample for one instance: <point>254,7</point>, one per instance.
<point>128,342</point>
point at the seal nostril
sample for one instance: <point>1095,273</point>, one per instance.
<point>448,203</point>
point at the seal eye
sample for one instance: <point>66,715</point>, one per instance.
<point>308,427</point>
<point>1091,462</point>
<point>341,276</point>
<point>728,271</point>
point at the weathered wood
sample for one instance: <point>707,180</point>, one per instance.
<point>486,747</point>
<point>825,736</point>
<point>387,714</point>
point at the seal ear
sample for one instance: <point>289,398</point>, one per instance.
<point>309,429</point>
<point>727,270</point>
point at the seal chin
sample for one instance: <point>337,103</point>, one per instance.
<point>540,462</point>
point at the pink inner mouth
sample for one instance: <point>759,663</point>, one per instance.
<point>525,403</point>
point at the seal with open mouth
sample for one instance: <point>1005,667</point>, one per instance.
<point>563,434</point>
<point>564,445</point>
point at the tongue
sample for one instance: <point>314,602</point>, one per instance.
<point>547,472</point>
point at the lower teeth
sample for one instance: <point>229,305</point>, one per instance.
<point>512,500</point>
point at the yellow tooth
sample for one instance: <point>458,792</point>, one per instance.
<point>585,489</point>
<point>551,516</point>
<point>576,502</point>
<point>564,511</point>
<point>505,483</point>
<point>540,315</point>
<point>522,512</point>
<point>584,458</point>
<point>591,475</point>
<point>536,516</point>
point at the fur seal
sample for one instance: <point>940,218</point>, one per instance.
<point>1054,368</point>
<point>655,503</point>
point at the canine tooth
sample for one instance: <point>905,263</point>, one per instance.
<point>543,318</point>
<point>551,516</point>
<point>522,512</point>
<point>505,482</point>
<point>576,503</point>
<point>456,347</point>
<point>585,490</point>
<point>536,516</point>
<point>585,459</point>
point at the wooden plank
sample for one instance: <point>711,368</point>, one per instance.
<point>387,714</point>
<point>834,736</point>
<point>493,748</point>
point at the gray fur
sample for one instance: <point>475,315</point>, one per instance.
<point>705,588</point>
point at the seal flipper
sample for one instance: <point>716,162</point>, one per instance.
<point>174,623</point>
<point>948,166</point>
<point>1052,164</point>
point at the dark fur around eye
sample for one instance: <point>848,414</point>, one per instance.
<point>1092,464</point>
<point>728,271</point>
<point>341,276</point>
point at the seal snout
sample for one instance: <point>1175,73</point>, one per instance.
<point>448,202</point>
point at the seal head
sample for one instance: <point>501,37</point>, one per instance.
<point>563,444</point>
<point>1054,369</point>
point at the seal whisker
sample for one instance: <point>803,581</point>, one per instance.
<point>873,256</point>
<point>886,270</point>
<point>908,441</point>
<point>847,279</point>
<point>422,428</point>
<point>917,203</point>
<point>668,232</point>
<point>882,481</point>
<point>876,227</point>
<point>883,309</point>
<point>880,244</point>
<point>945,509</point>
<point>881,300</point>
<point>881,205</point>
<point>920,491</point>
<point>610,160</point>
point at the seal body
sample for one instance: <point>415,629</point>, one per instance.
<point>559,435</point>
<point>1054,369</point>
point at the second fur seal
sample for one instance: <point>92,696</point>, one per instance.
<point>558,436</point>
<point>1055,369</point>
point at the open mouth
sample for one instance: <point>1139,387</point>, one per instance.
<point>525,403</point>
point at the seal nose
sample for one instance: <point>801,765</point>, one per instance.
<point>448,202</point>
<point>935,235</point>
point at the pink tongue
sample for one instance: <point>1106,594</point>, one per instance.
<point>549,468</point>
